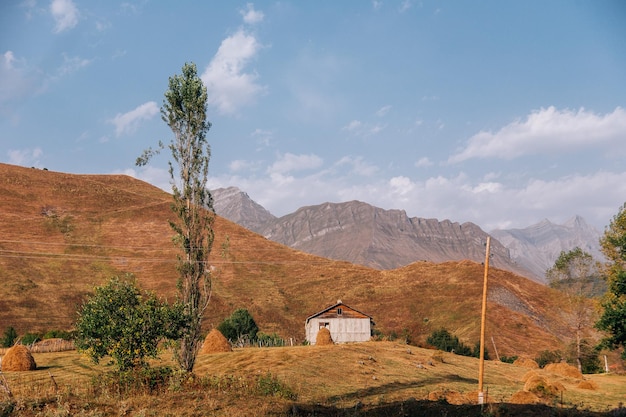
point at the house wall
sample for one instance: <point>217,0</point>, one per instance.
<point>342,329</point>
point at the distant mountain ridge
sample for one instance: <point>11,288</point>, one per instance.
<point>386,239</point>
<point>538,246</point>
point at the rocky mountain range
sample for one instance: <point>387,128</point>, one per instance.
<point>386,239</point>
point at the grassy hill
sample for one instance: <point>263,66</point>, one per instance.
<point>360,379</point>
<point>62,234</point>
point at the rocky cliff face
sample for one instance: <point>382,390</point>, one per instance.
<point>238,207</point>
<point>362,234</point>
<point>384,239</point>
<point>537,247</point>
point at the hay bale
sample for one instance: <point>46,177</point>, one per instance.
<point>590,385</point>
<point>529,375</point>
<point>18,358</point>
<point>526,363</point>
<point>541,387</point>
<point>450,396</point>
<point>215,342</point>
<point>323,337</point>
<point>564,369</point>
<point>524,397</point>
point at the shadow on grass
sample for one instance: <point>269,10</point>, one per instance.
<point>426,408</point>
<point>396,386</point>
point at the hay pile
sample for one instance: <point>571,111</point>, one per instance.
<point>453,397</point>
<point>526,363</point>
<point>524,397</point>
<point>18,358</point>
<point>564,369</point>
<point>590,385</point>
<point>215,342</point>
<point>323,337</point>
<point>542,387</point>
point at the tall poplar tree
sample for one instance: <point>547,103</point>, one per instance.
<point>613,319</point>
<point>184,110</point>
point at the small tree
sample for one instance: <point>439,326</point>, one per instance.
<point>240,324</point>
<point>118,321</point>
<point>613,319</point>
<point>184,110</point>
<point>576,274</point>
<point>9,337</point>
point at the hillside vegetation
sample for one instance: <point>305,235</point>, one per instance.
<point>62,234</point>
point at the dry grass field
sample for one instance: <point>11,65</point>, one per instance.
<point>63,234</point>
<point>373,378</point>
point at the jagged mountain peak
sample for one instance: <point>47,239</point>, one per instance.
<point>360,233</point>
<point>237,206</point>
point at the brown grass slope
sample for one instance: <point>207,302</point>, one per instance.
<point>62,234</point>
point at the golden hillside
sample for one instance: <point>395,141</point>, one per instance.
<point>62,234</point>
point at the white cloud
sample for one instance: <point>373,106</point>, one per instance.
<point>290,162</point>
<point>405,5</point>
<point>352,126</point>
<point>126,123</point>
<point>251,16</point>
<point>16,80</point>
<point>25,157</point>
<point>65,15</point>
<point>546,130</point>
<point>358,166</point>
<point>423,162</point>
<point>72,64</point>
<point>229,87</point>
<point>377,4</point>
<point>383,111</point>
<point>358,128</point>
<point>401,185</point>
<point>295,181</point>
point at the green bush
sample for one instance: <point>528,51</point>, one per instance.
<point>548,356</point>
<point>119,322</point>
<point>9,337</point>
<point>239,324</point>
<point>442,339</point>
<point>30,338</point>
<point>508,359</point>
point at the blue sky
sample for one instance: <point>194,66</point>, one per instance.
<point>502,113</point>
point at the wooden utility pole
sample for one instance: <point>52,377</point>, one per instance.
<point>481,365</point>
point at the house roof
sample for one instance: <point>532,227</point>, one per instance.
<point>338,304</point>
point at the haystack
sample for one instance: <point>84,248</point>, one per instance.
<point>564,369</point>
<point>526,363</point>
<point>590,385</point>
<point>215,342</point>
<point>542,387</point>
<point>524,397</point>
<point>323,337</point>
<point>18,358</point>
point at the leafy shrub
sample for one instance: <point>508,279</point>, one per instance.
<point>508,359</point>
<point>30,338</point>
<point>442,339</point>
<point>548,356</point>
<point>118,321</point>
<point>9,337</point>
<point>239,325</point>
<point>58,334</point>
